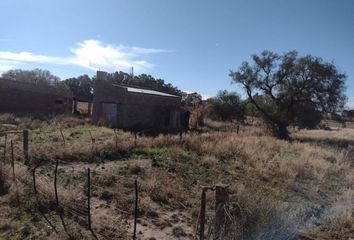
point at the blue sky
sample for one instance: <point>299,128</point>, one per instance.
<point>191,43</point>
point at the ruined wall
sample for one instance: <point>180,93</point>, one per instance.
<point>19,97</point>
<point>134,110</point>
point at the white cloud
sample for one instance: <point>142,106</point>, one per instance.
<point>6,65</point>
<point>350,103</point>
<point>90,54</point>
<point>204,96</point>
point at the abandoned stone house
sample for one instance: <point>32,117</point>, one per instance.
<point>21,97</point>
<point>132,108</point>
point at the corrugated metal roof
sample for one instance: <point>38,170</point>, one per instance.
<point>145,91</point>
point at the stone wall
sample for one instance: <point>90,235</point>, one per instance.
<point>20,97</point>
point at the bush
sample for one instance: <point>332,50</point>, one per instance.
<point>226,106</point>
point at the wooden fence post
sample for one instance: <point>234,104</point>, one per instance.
<point>202,214</point>
<point>12,161</point>
<point>135,208</point>
<point>5,147</point>
<point>116,138</point>
<point>221,199</point>
<point>34,180</point>
<point>25,146</point>
<point>62,136</point>
<point>135,139</point>
<point>93,142</point>
<point>237,129</point>
<point>89,198</point>
<point>55,183</point>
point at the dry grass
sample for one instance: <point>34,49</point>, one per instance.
<point>275,184</point>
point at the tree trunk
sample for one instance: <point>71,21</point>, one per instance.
<point>282,131</point>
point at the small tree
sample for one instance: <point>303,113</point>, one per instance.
<point>226,106</point>
<point>81,86</point>
<point>291,83</point>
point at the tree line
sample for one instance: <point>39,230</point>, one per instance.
<point>282,89</point>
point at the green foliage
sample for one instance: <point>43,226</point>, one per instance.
<point>292,86</point>
<point>36,76</point>
<point>226,106</point>
<point>145,81</point>
<point>81,87</point>
<point>261,100</point>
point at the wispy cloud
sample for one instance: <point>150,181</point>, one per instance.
<point>90,54</point>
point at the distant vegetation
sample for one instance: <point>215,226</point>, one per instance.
<point>296,90</point>
<point>35,76</point>
<point>284,90</point>
<point>226,106</point>
<point>82,86</point>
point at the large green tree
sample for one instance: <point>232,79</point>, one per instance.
<point>226,106</point>
<point>293,86</point>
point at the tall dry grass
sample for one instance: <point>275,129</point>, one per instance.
<point>274,183</point>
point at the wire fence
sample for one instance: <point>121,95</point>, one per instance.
<point>75,192</point>
<point>43,178</point>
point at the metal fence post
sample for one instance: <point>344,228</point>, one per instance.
<point>55,182</point>
<point>12,161</point>
<point>135,208</point>
<point>89,198</point>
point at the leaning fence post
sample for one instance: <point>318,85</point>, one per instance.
<point>12,161</point>
<point>55,183</point>
<point>135,139</point>
<point>135,208</point>
<point>62,136</point>
<point>89,199</point>
<point>34,180</point>
<point>25,146</point>
<point>202,214</point>
<point>221,199</point>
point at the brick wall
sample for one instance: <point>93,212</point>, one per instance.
<point>135,110</point>
<point>19,97</point>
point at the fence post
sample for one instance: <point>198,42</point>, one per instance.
<point>34,180</point>
<point>135,139</point>
<point>25,146</point>
<point>93,142</point>
<point>5,145</point>
<point>62,136</point>
<point>237,129</point>
<point>12,161</point>
<point>135,208</point>
<point>116,138</point>
<point>55,183</point>
<point>221,199</point>
<point>89,198</point>
<point>202,214</point>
